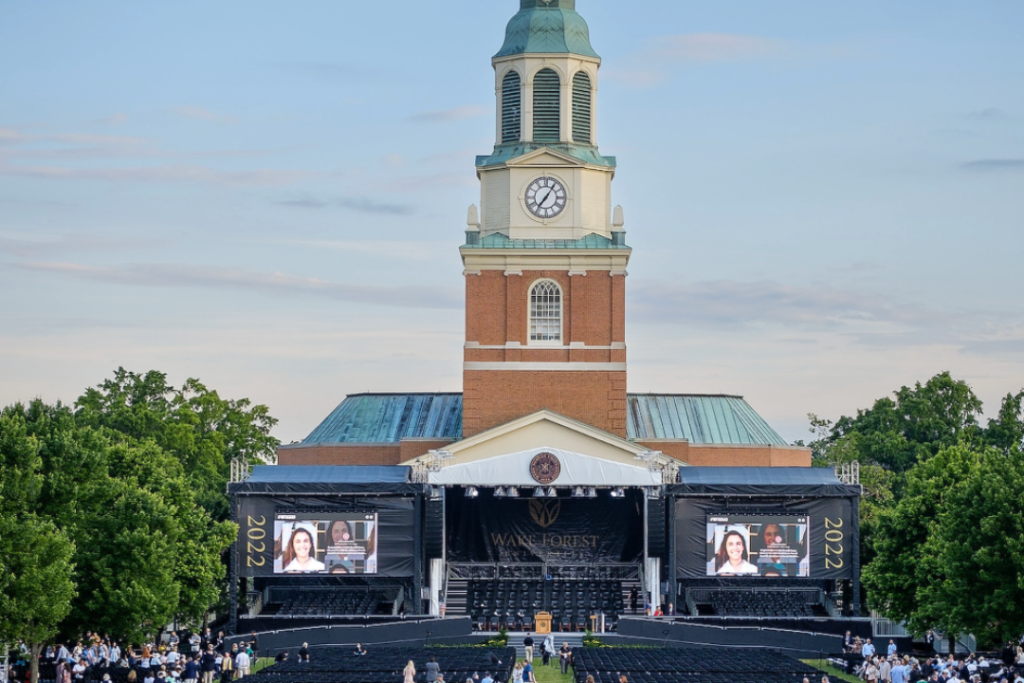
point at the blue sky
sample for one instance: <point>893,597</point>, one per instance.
<point>825,201</point>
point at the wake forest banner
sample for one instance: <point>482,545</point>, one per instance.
<point>551,530</point>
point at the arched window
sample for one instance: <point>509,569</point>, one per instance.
<point>545,312</point>
<point>581,107</point>
<point>546,107</point>
<point>511,108</point>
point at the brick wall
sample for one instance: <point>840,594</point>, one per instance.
<point>492,398</point>
<point>593,307</point>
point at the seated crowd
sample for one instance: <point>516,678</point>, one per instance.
<point>189,659</point>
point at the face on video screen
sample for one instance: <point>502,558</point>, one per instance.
<point>758,546</point>
<point>325,544</point>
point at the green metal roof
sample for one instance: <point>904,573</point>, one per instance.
<point>588,154</point>
<point>698,419</point>
<point>499,240</point>
<point>389,418</point>
<point>547,26</point>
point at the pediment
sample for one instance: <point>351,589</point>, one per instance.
<point>545,157</point>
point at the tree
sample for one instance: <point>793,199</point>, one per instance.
<point>36,567</point>
<point>950,553</point>
<point>203,431</point>
<point>898,433</point>
<point>145,550</point>
<point>1006,431</point>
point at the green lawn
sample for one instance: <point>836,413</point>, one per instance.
<point>833,673</point>
<point>550,674</point>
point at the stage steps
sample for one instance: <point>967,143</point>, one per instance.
<point>627,587</point>
<point>457,598</point>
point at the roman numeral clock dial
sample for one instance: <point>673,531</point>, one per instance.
<point>545,198</point>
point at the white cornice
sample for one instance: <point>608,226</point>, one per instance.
<point>546,367</point>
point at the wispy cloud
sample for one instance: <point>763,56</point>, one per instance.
<point>420,183</point>
<point>414,251</point>
<point>115,119</point>
<point>201,114</point>
<point>36,245</point>
<point>987,113</point>
<point>994,165</point>
<point>363,204</point>
<point>859,316</point>
<point>651,65</point>
<point>727,302</point>
<point>10,135</point>
<point>282,284</point>
<point>707,48</point>
<point>447,115</point>
<point>160,174</point>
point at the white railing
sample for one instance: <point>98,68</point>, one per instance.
<point>482,571</point>
<point>887,628</point>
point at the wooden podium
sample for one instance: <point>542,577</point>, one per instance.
<point>542,622</point>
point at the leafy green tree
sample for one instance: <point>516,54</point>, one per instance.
<point>146,552</point>
<point>896,433</point>
<point>36,586</point>
<point>950,553</point>
<point>1006,431</point>
<point>203,431</point>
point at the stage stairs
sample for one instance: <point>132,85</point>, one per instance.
<point>456,598</point>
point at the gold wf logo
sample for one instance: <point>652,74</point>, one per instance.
<point>545,512</point>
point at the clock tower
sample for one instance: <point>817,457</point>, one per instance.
<point>545,257</point>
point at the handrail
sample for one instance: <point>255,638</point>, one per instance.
<point>659,620</point>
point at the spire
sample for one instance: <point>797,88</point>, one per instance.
<point>547,26</point>
<point>555,4</point>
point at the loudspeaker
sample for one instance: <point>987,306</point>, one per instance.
<point>657,541</point>
<point>433,528</point>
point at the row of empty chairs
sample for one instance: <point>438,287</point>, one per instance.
<point>771,603</point>
<point>513,604</point>
<point>319,602</point>
<point>691,665</point>
<point>385,664</point>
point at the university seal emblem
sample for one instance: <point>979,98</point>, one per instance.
<point>545,468</point>
<point>545,511</point>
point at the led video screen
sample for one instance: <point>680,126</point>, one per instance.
<point>325,544</point>
<point>758,545</point>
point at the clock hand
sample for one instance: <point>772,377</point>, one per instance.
<point>540,200</point>
<point>552,197</point>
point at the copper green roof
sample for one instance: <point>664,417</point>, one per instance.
<point>499,240</point>
<point>389,418</point>
<point>588,154</point>
<point>698,419</point>
<point>547,26</point>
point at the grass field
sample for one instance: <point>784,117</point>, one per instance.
<point>833,673</point>
<point>550,674</point>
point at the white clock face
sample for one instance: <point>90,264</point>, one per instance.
<point>545,197</point>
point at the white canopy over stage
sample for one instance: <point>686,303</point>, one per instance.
<point>576,469</point>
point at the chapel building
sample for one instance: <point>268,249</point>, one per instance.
<point>545,264</point>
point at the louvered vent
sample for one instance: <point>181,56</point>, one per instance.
<point>511,108</point>
<point>546,107</point>
<point>581,108</point>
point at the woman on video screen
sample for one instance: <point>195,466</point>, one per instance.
<point>341,535</point>
<point>300,555</point>
<point>732,555</point>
